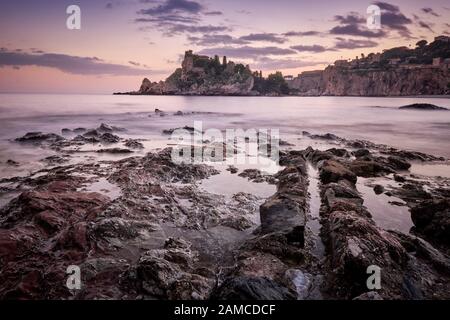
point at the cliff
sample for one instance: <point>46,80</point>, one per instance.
<point>336,81</point>
<point>395,72</point>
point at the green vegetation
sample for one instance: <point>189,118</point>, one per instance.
<point>274,84</point>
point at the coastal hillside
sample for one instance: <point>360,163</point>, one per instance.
<point>399,71</point>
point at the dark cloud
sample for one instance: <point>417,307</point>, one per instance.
<point>169,19</point>
<point>171,6</point>
<point>213,13</point>
<point>350,18</point>
<point>109,5</point>
<point>247,52</point>
<point>274,64</point>
<point>356,30</point>
<point>313,48</point>
<point>430,11</point>
<point>68,63</point>
<point>267,37</point>
<point>425,25</point>
<point>300,33</point>
<point>354,44</point>
<point>392,19</point>
<point>215,39</point>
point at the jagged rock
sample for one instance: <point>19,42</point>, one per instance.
<point>252,288</point>
<point>115,150</point>
<point>232,169</point>
<point>39,137</point>
<point>12,163</point>
<point>133,144</point>
<point>422,106</point>
<point>333,171</point>
<point>109,138</point>
<point>432,218</point>
<point>379,189</point>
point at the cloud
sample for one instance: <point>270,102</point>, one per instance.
<point>171,6</point>
<point>267,37</point>
<point>109,5</point>
<point>300,33</point>
<point>213,13</point>
<point>246,52</point>
<point>354,44</point>
<point>350,18</point>
<point>425,25</point>
<point>392,19</point>
<point>274,64</point>
<point>430,11</point>
<point>68,63</point>
<point>215,39</point>
<point>356,30</point>
<point>313,48</point>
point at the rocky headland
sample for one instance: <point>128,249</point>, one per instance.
<point>398,71</point>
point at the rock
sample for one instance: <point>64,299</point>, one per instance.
<point>115,150</point>
<point>178,113</point>
<point>361,153</point>
<point>369,168</point>
<point>327,136</point>
<point>66,131</point>
<point>371,295</point>
<point>399,178</point>
<point>339,152</point>
<point>398,163</point>
<point>109,138</point>
<point>252,288</point>
<point>79,130</point>
<point>422,106</point>
<point>333,171</point>
<point>91,133</point>
<point>379,189</point>
<point>12,163</point>
<point>133,144</point>
<point>105,128</point>
<point>432,218</point>
<point>232,169</point>
<point>39,137</point>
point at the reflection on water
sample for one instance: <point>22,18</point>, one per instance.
<point>390,213</point>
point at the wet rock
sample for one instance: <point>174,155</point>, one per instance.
<point>232,169</point>
<point>12,163</point>
<point>187,128</point>
<point>422,106</point>
<point>339,152</point>
<point>399,178</point>
<point>56,159</point>
<point>252,288</point>
<point>327,136</point>
<point>178,113</point>
<point>333,171</point>
<point>105,128</point>
<point>379,189</point>
<point>256,176</point>
<point>91,133</point>
<point>432,218</point>
<point>133,144</point>
<point>39,137</point>
<point>109,138</point>
<point>82,139</point>
<point>371,295</point>
<point>169,273</point>
<point>369,168</point>
<point>66,131</point>
<point>79,130</point>
<point>398,163</point>
<point>361,153</point>
<point>115,151</point>
<point>315,156</point>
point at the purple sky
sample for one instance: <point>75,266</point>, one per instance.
<point>120,41</point>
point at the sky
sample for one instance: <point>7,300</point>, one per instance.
<point>120,42</point>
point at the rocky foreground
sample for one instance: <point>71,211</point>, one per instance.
<point>163,237</point>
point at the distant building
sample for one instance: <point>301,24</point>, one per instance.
<point>442,39</point>
<point>411,60</point>
<point>395,61</point>
<point>289,78</point>
<point>341,63</point>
